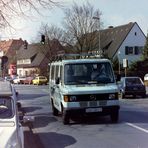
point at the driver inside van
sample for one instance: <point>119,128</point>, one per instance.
<point>98,71</point>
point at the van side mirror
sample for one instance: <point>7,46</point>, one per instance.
<point>57,81</point>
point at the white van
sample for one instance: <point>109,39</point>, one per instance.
<point>11,131</point>
<point>83,86</point>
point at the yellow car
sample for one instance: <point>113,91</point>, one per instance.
<point>39,80</point>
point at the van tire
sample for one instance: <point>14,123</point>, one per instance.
<point>66,119</point>
<point>54,110</point>
<point>114,116</point>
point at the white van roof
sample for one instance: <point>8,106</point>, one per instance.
<point>80,61</point>
<point>5,88</point>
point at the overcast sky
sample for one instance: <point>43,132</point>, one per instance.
<point>114,13</point>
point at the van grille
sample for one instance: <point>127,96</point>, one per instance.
<point>93,97</point>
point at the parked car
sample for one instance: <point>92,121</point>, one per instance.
<point>9,78</point>
<point>40,80</point>
<point>11,118</point>
<point>132,86</point>
<point>28,80</point>
<point>2,79</point>
<point>146,77</point>
<point>19,80</point>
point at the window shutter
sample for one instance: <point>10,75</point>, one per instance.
<point>126,50</point>
<point>136,50</point>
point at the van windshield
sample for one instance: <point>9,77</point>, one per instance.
<point>88,73</point>
<point>6,107</point>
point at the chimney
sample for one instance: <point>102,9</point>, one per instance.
<point>110,27</point>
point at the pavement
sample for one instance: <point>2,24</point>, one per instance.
<point>30,139</point>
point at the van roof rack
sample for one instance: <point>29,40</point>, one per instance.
<point>75,56</point>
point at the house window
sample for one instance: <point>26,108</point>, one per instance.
<point>20,73</point>
<point>136,50</point>
<point>27,61</point>
<point>19,62</point>
<point>129,50</point>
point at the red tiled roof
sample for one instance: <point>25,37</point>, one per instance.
<point>12,44</point>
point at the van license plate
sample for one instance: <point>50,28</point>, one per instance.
<point>91,110</point>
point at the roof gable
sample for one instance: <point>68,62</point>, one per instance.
<point>112,38</point>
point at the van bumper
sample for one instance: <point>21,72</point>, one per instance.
<point>107,110</point>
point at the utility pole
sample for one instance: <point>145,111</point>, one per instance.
<point>99,37</point>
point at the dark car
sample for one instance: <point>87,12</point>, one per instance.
<point>132,86</point>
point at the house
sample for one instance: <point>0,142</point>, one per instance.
<point>9,48</point>
<point>34,59</point>
<point>124,42</point>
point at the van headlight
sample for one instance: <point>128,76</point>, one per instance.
<point>112,96</point>
<point>68,98</point>
<point>72,98</point>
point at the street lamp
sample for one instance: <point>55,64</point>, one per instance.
<point>119,62</point>
<point>98,18</point>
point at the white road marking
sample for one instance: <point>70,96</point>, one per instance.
<point>137,127</point>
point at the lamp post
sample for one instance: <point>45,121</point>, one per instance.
<point>119,62</point>
<point>98,18</point>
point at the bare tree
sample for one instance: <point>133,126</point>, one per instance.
<point>19,8</point>
<point>79,33</point>
<point>81,28</point>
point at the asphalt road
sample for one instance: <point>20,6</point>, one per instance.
<point>96,132</point>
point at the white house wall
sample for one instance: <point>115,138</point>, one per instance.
<point>26,71</point>
<point>132,40</point>
<point>20,71</point>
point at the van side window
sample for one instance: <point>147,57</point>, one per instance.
<point>61,71</point>
<point>52,72</point>
<point>57,72</point>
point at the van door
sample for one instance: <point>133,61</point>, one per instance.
<point>57,91</point>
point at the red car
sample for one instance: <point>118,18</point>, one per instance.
<point>28,80</point>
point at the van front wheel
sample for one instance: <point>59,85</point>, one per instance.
<point>65,117</point>
<point>54,110</point>
<point>114,116</point>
